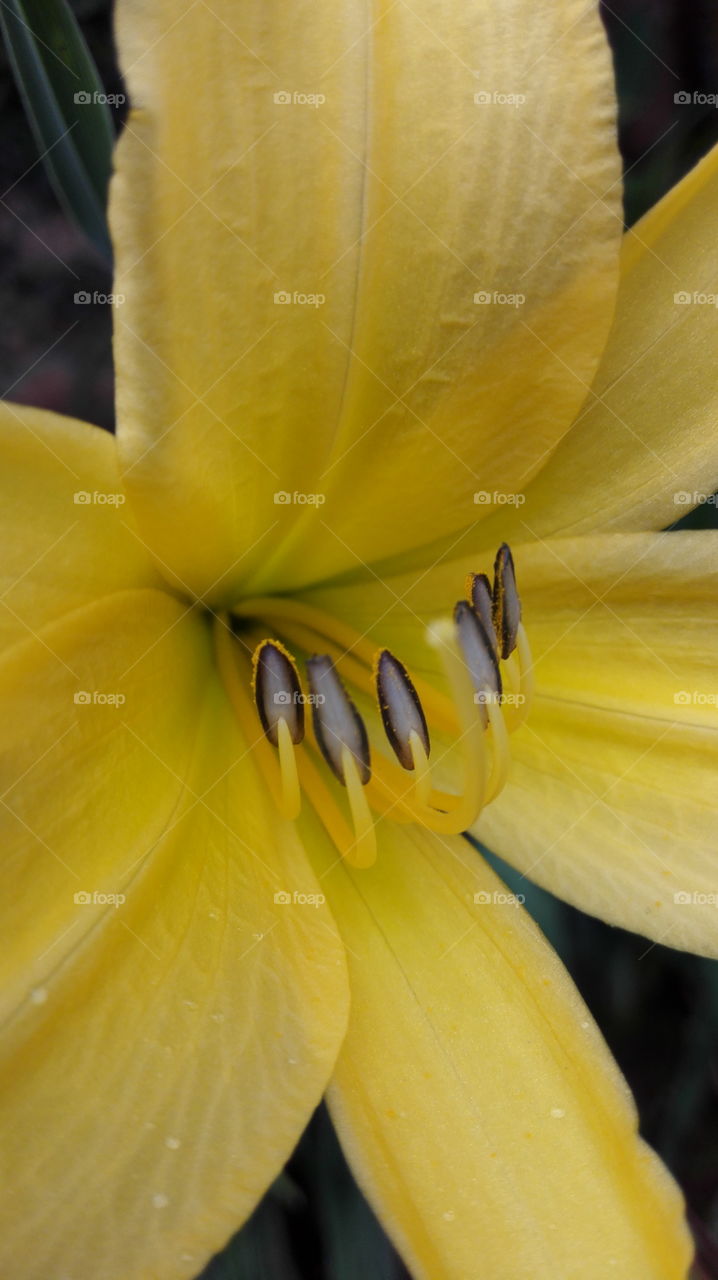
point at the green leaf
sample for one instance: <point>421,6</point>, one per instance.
<point>66,106</point>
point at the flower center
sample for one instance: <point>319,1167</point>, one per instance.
<point>348,776</point>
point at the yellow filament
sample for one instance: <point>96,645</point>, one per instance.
<point>510,674</point>
<point>500,751</point>
<point>281,776</point>
<point>422,769</point>
<point>390,791</point>
<point>462,810</point>
<point>291,795</point>
<point>325,807</point>
<point>524,686</point>
<point>363,851</point>
<point>526,664</point>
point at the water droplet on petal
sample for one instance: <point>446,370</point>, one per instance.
<point>160,1201</point>
<point>172,1143</point>
<point>38,995</point>
<point>558,1113</point>
<point>449,1215</point>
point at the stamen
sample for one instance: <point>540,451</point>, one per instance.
<point>277,691</point>
<point>422,769</point>
<point>363,853</point>
<point>480,657</point>
<point>401,710</point>
<point>500,752</point>
<point>337,723</point>
<point>325,806</point>
<point>291,795</point>
<point>469,804</point>
<point>280,780</point>
<point>478,593</point>
<point>526,677</point>
<point>474,711</point>
<point>280,706</point>
<point>506,602</point>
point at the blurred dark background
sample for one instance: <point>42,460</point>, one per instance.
<point>658,1009</point>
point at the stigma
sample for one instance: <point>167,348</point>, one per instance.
<point>380,742</point>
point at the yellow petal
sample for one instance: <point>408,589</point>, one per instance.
<point>397,198</point>
<point>165,1052</point>
<point>645,449</point>
<point>65,531</point>
<point>611,801</point>
<point>474,1097</point>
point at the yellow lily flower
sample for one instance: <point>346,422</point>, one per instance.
<point>310,210</point>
